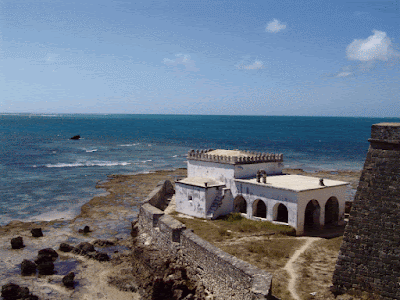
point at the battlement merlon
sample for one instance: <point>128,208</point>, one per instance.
<point>388,133</point>
<point>233,157</point>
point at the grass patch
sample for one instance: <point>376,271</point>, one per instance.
<point>236,222</point>
<point>331,244</point>
<point>233,225</point>
<point>268,254</point>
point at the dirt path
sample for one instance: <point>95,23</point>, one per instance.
<point>289,267</point>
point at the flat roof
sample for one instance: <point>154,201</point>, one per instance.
<point>297,183</point>
<point>201,181</point>
<point>224,152</point>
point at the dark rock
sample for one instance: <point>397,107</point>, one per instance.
<point>101,257</point>
<point>135,229</point>
<point>47,254</point>
<point>76,137</point>
<point>50,252</point>
<point>103,243</point>
<point>85,230</point>
<point>13,291</point>
<point>37,232</point>
<point>10,291</point>
<point>17,243</point>
<point>28,268</point>
<point>68,280</point>
<point>83,248</point>
<point>46,268</point>
<point>64,247</point>
<point>23,292</point>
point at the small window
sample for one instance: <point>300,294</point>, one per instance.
<point>247,190</point>
<point>190,198</point>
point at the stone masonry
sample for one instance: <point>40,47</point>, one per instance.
<point>369,257</point>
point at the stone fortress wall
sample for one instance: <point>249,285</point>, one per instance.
<point>369,258</point>
<point>248,158</point>
<point>226,276</point>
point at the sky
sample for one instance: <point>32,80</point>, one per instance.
<point>286,57</point>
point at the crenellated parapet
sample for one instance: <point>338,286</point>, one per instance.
<point>240,157</point>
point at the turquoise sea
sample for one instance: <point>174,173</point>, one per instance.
<point>46,175</point>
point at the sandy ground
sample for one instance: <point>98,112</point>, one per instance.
<point>291,270</point>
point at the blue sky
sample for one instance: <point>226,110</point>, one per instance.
<point>316,58</point>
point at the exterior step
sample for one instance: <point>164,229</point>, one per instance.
<point>214,206</point>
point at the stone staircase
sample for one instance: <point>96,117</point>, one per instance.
<point>214,206</point>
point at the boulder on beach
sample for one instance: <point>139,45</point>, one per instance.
<point>85,229</point>
<point>76,137</point>
<point>64,247</point>
<point>12,291</point>
<point>28,268</point>
<point>99,256</point>
<point>68,280</point>
<point>103,243</point>
<point>17,243</point>
<point>47,254</point>
<point>45,268</point>
<point>37,232</point>
<point>83,248</point>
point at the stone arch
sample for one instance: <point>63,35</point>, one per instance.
<point>311,215</point>
<point>332,211</point>
<point>259,209</point>
<point>281,213</point>
<point>240,204</point>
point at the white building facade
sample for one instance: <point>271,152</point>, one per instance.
<point>223,181</point>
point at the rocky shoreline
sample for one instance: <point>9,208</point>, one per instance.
<point>109,218</point>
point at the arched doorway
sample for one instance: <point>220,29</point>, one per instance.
<point>311,216</point>
<point>281,213</point>
<point>259,209</point>
<point>332,211</point>
<point>240,205</point>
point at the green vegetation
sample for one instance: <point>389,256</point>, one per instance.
<point>233,225</point>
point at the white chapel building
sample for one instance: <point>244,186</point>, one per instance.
<point>223,181</point>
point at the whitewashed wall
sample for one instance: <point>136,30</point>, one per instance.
<point>322,196</point>
<point>207,169</point>
<point>201,202</point>
<point>250,170</point>
<point>271,198</point>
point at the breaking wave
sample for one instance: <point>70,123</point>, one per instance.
<point>94,163</point>
<point>129,145</point>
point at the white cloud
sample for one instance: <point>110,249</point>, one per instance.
<point>181,59</point>
<point>275,26</point>
<point>258,64</point>
<point>344,74</point>
<point>375,47</point>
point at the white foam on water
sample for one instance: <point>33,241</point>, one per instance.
<point>129,145</point>
<point>92,150</point>
<point>54,215</point>
<point>93,163</point>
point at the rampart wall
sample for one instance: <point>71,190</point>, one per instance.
<point>253,157</point>
<point>226,276</point>
<point>369,256</point>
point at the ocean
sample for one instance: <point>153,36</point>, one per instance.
<point>46,175</point>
